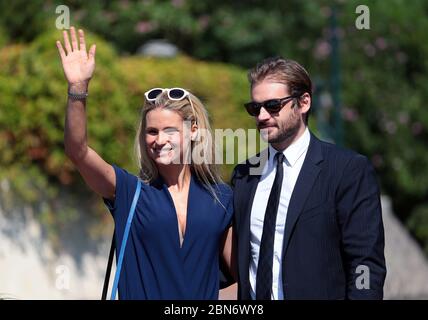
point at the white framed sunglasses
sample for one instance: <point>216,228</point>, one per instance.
<point>174,94</point>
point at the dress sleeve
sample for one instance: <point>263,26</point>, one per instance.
<point>126,184</point>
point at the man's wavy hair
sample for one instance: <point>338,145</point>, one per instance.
<point>286,71</point>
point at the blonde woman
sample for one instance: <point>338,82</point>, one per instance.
<point>183,214</point>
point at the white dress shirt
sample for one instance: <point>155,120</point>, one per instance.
<point>294,156</point>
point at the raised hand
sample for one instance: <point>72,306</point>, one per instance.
<point>78,65</point>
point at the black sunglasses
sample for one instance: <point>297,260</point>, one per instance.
<point>273,105</point>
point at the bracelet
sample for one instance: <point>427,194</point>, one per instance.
<point>77,96</point>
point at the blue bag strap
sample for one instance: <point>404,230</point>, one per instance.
<point>124,240</point>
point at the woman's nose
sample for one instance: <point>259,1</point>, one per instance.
<point>161,138</point>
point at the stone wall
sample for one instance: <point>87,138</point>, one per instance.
<point>30,268</point>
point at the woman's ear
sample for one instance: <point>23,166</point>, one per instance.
<point>195,132</point>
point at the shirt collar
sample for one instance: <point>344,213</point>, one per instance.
<point>294,151</point>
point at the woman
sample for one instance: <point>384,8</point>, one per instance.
<point>183,214</point>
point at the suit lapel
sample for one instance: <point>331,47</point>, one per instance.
<point>307,176</point>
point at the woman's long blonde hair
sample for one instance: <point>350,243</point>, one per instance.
<point>206,171</point>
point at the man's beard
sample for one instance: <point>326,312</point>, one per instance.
<point>288,132</point>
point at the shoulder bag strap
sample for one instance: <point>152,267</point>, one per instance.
<point>122,248</point>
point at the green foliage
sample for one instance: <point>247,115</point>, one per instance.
<point>384,78</point>
<point>3,37</point>
<point>238,32</point>
<point>33,91</point>
<point>24,20</point>
<point>384,89</point>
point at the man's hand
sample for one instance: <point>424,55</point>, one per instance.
<point>78,65</point>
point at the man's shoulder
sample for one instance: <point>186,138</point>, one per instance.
<point>341,156</point>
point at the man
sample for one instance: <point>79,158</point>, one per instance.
<point>308,220</point>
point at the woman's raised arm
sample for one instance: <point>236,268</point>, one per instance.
<point>79,66</point>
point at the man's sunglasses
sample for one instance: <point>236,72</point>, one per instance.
<point>271,106</point>
<point>174,94</point>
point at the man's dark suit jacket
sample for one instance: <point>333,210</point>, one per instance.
<point>333,225</point>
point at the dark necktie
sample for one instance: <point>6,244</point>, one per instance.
<point>264,267</point>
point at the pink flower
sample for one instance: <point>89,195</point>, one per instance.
<point>349,114</point>
<point>143,27</point>
<point>370,50</point>
<point>381,43</point>
<point>204,21</point>
<point>322,50</point>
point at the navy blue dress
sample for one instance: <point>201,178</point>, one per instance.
<point>154,264</point>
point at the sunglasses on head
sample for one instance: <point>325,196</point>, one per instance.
<point>174,94</point>
<point>271,106</point>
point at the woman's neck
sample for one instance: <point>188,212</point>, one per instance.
<point>176,176</point>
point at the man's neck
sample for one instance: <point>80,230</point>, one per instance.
<point>281,146</point>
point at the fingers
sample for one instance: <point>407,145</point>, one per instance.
<point>67,42</point>
<point>74,39</point>
<point>74,44</point>
<point>82,40</point>
<point>92,51</point>
<point>60,50</point>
